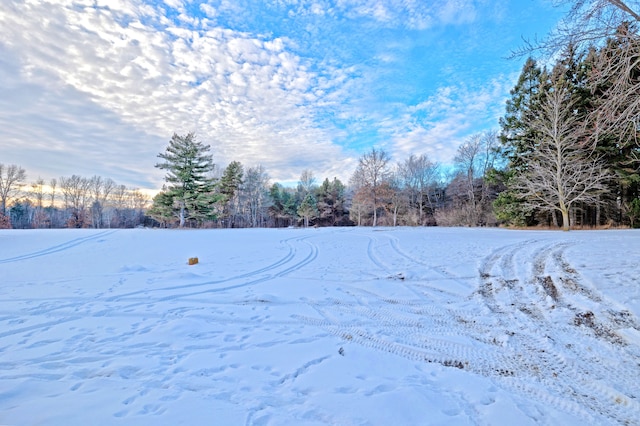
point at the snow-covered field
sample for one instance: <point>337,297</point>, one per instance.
<point>320,326</point>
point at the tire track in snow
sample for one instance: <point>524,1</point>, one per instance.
<point>58,248</point>
<point>395,245</point>
<point>280,268</point>
<point>398,261</point>
<point>419,330</point>
<point>493,283</point>
<point>548,334</point>
<point>256,276</point>
<point>527,356</point>
<point>592,314</point>
<point>282,261</point>
<point>310,257</point>
<point>593,379</point>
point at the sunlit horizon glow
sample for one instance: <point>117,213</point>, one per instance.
<point>99,87</point>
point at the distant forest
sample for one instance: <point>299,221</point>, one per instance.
<point>566,154</point>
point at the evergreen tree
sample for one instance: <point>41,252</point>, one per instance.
<point>516,135</point>
<point>284,207</point>
<point>517,140</point>
<point>189,193</point>
<point>228,187</point>
<point>308,209</point>
<point>331,202</point>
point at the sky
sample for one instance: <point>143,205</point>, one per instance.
<point>98,87</point>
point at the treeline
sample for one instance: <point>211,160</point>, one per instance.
<point>570,138</point>
<point>68,202</point>
<point>239,197</point>
<point>414,192</point>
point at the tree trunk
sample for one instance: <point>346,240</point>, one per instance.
<point>182,216</point>
<point>565,219</point>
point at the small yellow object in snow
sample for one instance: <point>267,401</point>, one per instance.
<point>193,260</point>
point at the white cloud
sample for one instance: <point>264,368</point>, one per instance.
<point>437,126</point>
<point>208,10</point>
<point>414,14</point>
<point>456,11</point>
<point>113,75</point>
<point>250,98</point>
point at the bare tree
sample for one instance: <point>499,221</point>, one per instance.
<point>53,184</point>
<point>118,202</point>
<point>12,179</point>
<point>75,190</point>
<point>474,159</point>
<point>419,176</point>
<point>587,22</point>
<point>254,195</point>
<point>563,169</point>
<point>37,192</point>
<point>360,206</point>
<point>398,199</point>
<point>368,179</point>
<point>591,23</point>
<point>100,191</point>
<point>306,183</point>
<point>466,160</point>
<point>615,76</point>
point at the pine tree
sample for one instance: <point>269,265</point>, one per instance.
<point>331,201</point>
<point>284,207</point>
<point>228,187</point>
<point>189,194</point>
<point>308,209</point>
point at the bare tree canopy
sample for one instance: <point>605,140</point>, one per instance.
<point>586,23</point>
<point>12,179</point>
<point>420,176</point>
<point>563,170</point>
<point>307,181</point>
<point>369,179</point>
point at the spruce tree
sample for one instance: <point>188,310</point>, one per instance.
<point>516,141</point>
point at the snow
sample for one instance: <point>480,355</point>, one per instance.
<point>348,326</point>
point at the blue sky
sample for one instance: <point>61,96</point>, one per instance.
<point>97,87</point>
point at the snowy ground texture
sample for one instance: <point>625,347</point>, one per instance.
<point>346,326</point>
